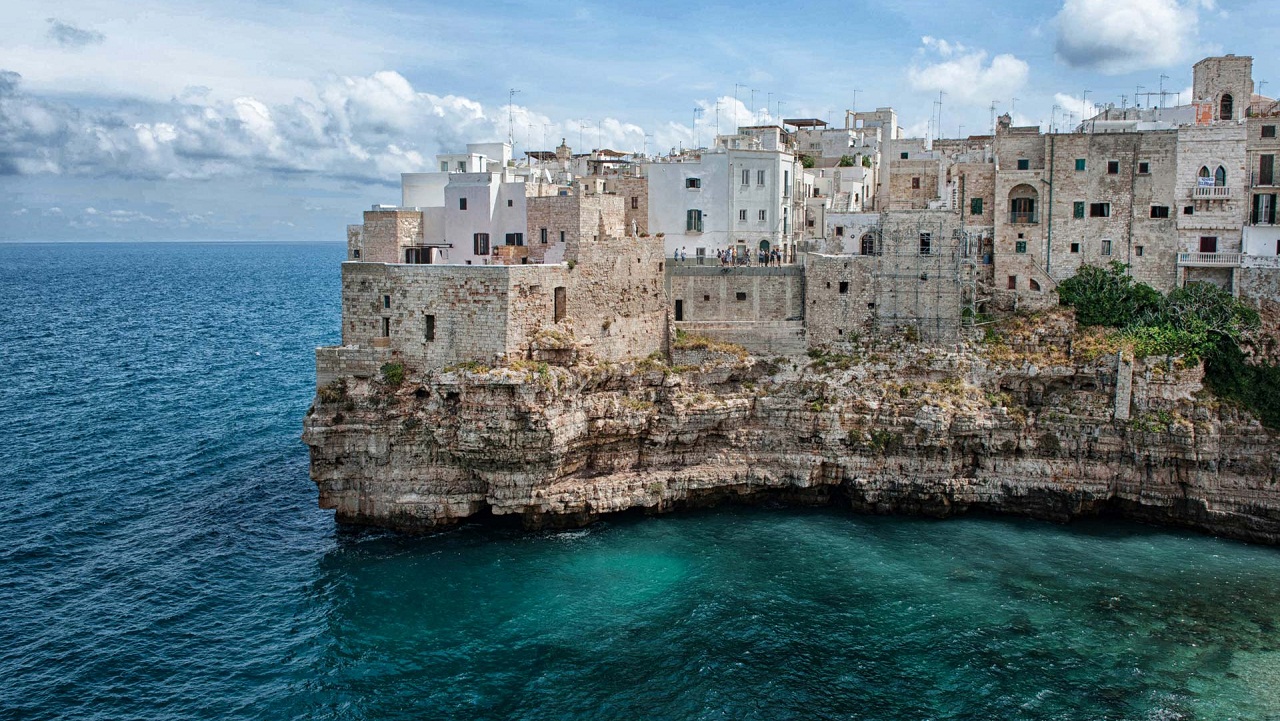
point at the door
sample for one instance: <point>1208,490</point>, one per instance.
<point>679,310</point>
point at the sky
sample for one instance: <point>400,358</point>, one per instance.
<point>282,120</point>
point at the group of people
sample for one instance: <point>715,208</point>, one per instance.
<point>731,256</point>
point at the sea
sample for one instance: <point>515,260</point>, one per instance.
<point>162,556</point>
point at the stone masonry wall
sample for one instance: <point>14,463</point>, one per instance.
<point>736,294</point>
<point>840,297</point>
<point>386,231</point>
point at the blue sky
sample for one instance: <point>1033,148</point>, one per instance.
<point>241,120</point>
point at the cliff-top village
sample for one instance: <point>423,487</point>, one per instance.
<point>786,237</point>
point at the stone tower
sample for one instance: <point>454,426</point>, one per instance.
<point>1226,83</point>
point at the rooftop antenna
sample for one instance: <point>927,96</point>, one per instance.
<point>855,100</point>
<point>1053,118</point>
<point>940,94</point>
<point>1162,93</point>
<point>736,122</point>
<point>780,104</point>
<point>768,103</point>
<point>717,116</point>
<point>697,139</point>
<point>511,117</point>
<point>1084,105</point>
<point>645,152</point>
<point>994,103</point>
<point>753,105</point>
<point>582,125</point>
<point>1013,107</point>
<point>1136,92</point>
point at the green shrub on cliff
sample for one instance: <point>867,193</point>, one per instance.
<point>393,373</point>
<point>1198,321</point>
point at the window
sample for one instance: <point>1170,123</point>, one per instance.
<point>1208,244</point>
<point>1100,210</point>
<point>1077,209</point>
<point>1266,170</point>
<point>429,328</point>
<point>1075,247</point>
<point>481,243</point>
<point>688,183</point>
<point>1220,176</point>
<point>386,327</point>
<point>1020,246</point>
<point>679,309</point>
<point>1144,168</point>
<point>926,243</point>
<point>693,221</point>
<point>764,215</point>
<point>975,206</point>
<point>868,244</point>
<point>839,230</point>
<point>1226,107</point>
<point>915,183</point>
<point>1033,284</point>
<point>462,166</point>
<point>1159,211</point>
<point>746,177</point>
<point>1189,210</point>
<point>355,253</point>
<point>844,287</point>
<point>740,296</point>
<point>1079,163</point>
<point>444,166</point>
<point>635,202</point>
<point>1013,282</point>
<point>542,235</point>
<point>515,238</point>
<point>742,215</point>
<point>759,177</point>
<point>1268,131</point>
<point>1024,164</point>
<point>905,155</point>
<point>1113,167</point>
<point>1264,209</point>
<point>509,203</point>
<point>1106,247</point>
<point>1137,250</point>
<point>786,183</point>
<point>706,298</point>
<point>386,301</point>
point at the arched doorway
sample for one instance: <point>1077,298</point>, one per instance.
<point>1022,205</point>
<point>764,245</point>
<point>1226,108</point>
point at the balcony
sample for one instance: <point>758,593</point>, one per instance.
<point>1024,218</point>
<point>1209,260</point>
<point>1211,192</point>
<point>1262,180</point>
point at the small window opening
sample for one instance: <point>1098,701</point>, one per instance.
<point>429,328</point>
<point>844,287</point>
<point>740,296</point>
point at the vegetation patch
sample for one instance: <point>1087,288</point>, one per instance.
<point>393,374</point>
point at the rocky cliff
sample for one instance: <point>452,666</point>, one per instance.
<point>1036,420</point>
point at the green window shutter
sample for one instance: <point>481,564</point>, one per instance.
<point>1079,163</point>
<point>1020,246</point>
<point>1024,164</point>
<point>975,206</point>
<point>1078,209</point>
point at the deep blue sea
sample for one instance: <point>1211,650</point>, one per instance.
<point>162,557</point>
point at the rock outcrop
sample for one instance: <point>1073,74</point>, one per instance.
<point>1024,424</point>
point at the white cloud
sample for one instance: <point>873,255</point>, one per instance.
<point>360,128</point>
<point>964,73</point>
<point>70,36</point>
<point>1120,36</point>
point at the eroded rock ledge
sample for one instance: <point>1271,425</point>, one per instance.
<point>1012,427</point>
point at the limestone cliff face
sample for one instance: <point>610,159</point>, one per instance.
<point>910,430</point>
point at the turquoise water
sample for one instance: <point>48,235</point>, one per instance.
<point>161,557</point>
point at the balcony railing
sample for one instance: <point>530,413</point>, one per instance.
<point>1209,260</point>
<point>1021,218</point>
<point>1211,192</point>
<point>1262,180</point>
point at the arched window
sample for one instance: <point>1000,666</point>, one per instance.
<point>1204,171</point>
<point>1226,107</point>
<point>869,244</point>
<point>1220,176</point>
